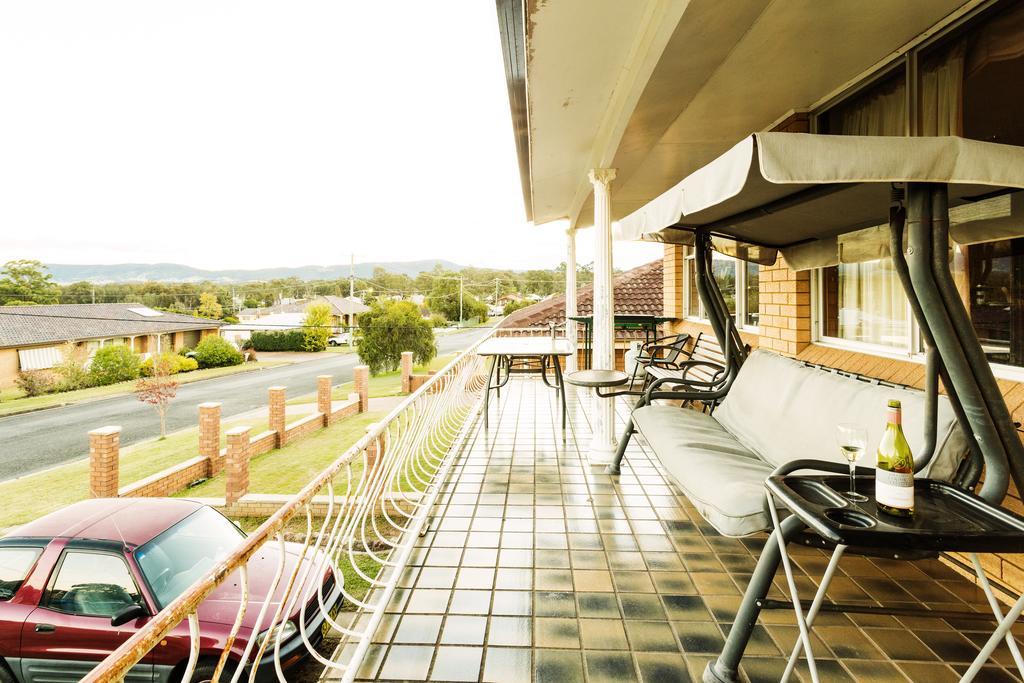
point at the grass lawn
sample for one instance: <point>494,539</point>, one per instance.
<point>14,400</point>
<point>386,384</point>
<point>288,469</point>
<point>22,499</point>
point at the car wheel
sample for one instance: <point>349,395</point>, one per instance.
<point>204,672</point>
<point>5,675</point>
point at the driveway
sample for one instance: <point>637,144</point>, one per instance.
<point>43,439</point>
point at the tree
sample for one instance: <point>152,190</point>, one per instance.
<point>160,389</point>
<point>388,329</point>
<point>209,307</point>
<point>316,327</point>
<point>27,281</point>
<point>444,299</point>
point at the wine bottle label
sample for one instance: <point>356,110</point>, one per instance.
<point>895,489</point>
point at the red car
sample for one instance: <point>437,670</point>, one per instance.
<point>77,583</point>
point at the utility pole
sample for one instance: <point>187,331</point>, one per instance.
<point>351,297</point>
<point>461,278</point>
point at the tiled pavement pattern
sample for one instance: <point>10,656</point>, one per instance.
<point>539,567</point>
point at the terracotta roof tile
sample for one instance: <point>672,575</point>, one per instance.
<point>637,292</point>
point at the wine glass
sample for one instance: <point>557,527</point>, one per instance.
<point>852,440</point>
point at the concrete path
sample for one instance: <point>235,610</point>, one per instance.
<point>39,440</point>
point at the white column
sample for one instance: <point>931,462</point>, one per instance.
<point>570,295</point>
<point>602,448</point>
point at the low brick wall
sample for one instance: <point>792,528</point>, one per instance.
<point>168,481</point>
<point>266,504</point>
<point>264,442</point>
<point>304,427</point>
<point>177,477</point>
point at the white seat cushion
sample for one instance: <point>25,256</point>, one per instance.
<point>722,478</point>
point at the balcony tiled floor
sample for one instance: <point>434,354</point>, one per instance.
<point>538,566</point>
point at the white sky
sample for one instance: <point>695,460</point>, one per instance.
<point>254,134</point>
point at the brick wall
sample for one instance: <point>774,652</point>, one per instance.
<point>169,481</point>
<point>785,308</point>
<point>264,442</point>
<point>304,427</point>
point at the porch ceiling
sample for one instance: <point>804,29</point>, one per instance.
<point>659,88</point>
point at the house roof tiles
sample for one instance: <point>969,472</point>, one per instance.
<point>637,292</point>
<point>32,325</point>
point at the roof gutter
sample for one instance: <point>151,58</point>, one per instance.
<point>512,29</point>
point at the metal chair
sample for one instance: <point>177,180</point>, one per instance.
<point>672,350</point>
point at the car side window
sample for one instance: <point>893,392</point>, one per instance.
<point>92,584</point>
<point>15,564</point>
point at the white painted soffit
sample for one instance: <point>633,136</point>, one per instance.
<point>588,61</point>
<point>733,68</point>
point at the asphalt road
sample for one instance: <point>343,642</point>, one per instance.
<point>35,441</point>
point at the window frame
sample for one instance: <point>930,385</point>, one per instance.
<point>907,59</point>
<point>44,601</point>
<point>740,315</point>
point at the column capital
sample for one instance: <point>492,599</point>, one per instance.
<point>601,175</point>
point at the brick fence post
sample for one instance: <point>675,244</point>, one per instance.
<point>237,465</point>
<point>209,435</point>
<point>406,372</point>
<point>362,379</point>
<point>277,418</point>
<point>104,447</point>
<point>323,397</point>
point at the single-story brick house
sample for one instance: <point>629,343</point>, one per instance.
<point>31,336</point>
<point>344,310</point>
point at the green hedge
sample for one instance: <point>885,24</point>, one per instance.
<point>284,340</point>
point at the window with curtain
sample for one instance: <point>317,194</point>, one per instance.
<point>864,302</point>
<point>751,290</point>
<point>880,109</point>
<point>973,85</point>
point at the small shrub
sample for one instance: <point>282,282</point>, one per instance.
<point>36,382</point>
<point>216,352</point>
<point>112,364</point>
<point>278,340</point>
<point>72,372</point>
<point>438,320</point>
<point>170,363</point>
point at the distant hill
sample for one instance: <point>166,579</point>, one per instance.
<point>66,273</point>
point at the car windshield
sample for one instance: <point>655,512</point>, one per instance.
<point>173,561</point>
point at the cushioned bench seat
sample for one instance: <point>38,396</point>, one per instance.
<point>779,410</point>
<point>722,478</point>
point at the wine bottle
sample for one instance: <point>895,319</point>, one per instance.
<point>894,472</point>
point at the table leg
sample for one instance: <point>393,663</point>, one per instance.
<point>819,597</point>
<point>794,594</point>
<point>487,390</point>
<point>561,389</point>
<point>993,603</point>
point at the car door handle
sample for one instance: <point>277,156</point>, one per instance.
<point>45,628</point>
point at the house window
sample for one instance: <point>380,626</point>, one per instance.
<point>733,276</point>
<point>864,303</point>
<point>965,83</point>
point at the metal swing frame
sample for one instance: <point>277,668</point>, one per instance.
<point>955,356</point>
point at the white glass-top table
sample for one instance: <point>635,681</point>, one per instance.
<point>525,355</point>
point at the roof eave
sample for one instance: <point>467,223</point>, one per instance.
<point>512,28</point>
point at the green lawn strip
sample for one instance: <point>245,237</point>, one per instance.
<point>287,470</point>
<point>23,499</point>
<point>13,400</point>
<point>383,385</point>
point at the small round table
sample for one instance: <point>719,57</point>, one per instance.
<point>599,379</point>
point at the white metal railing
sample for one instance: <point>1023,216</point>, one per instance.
<point>390,479</point>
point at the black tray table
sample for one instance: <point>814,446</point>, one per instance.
<point>947,519</point>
